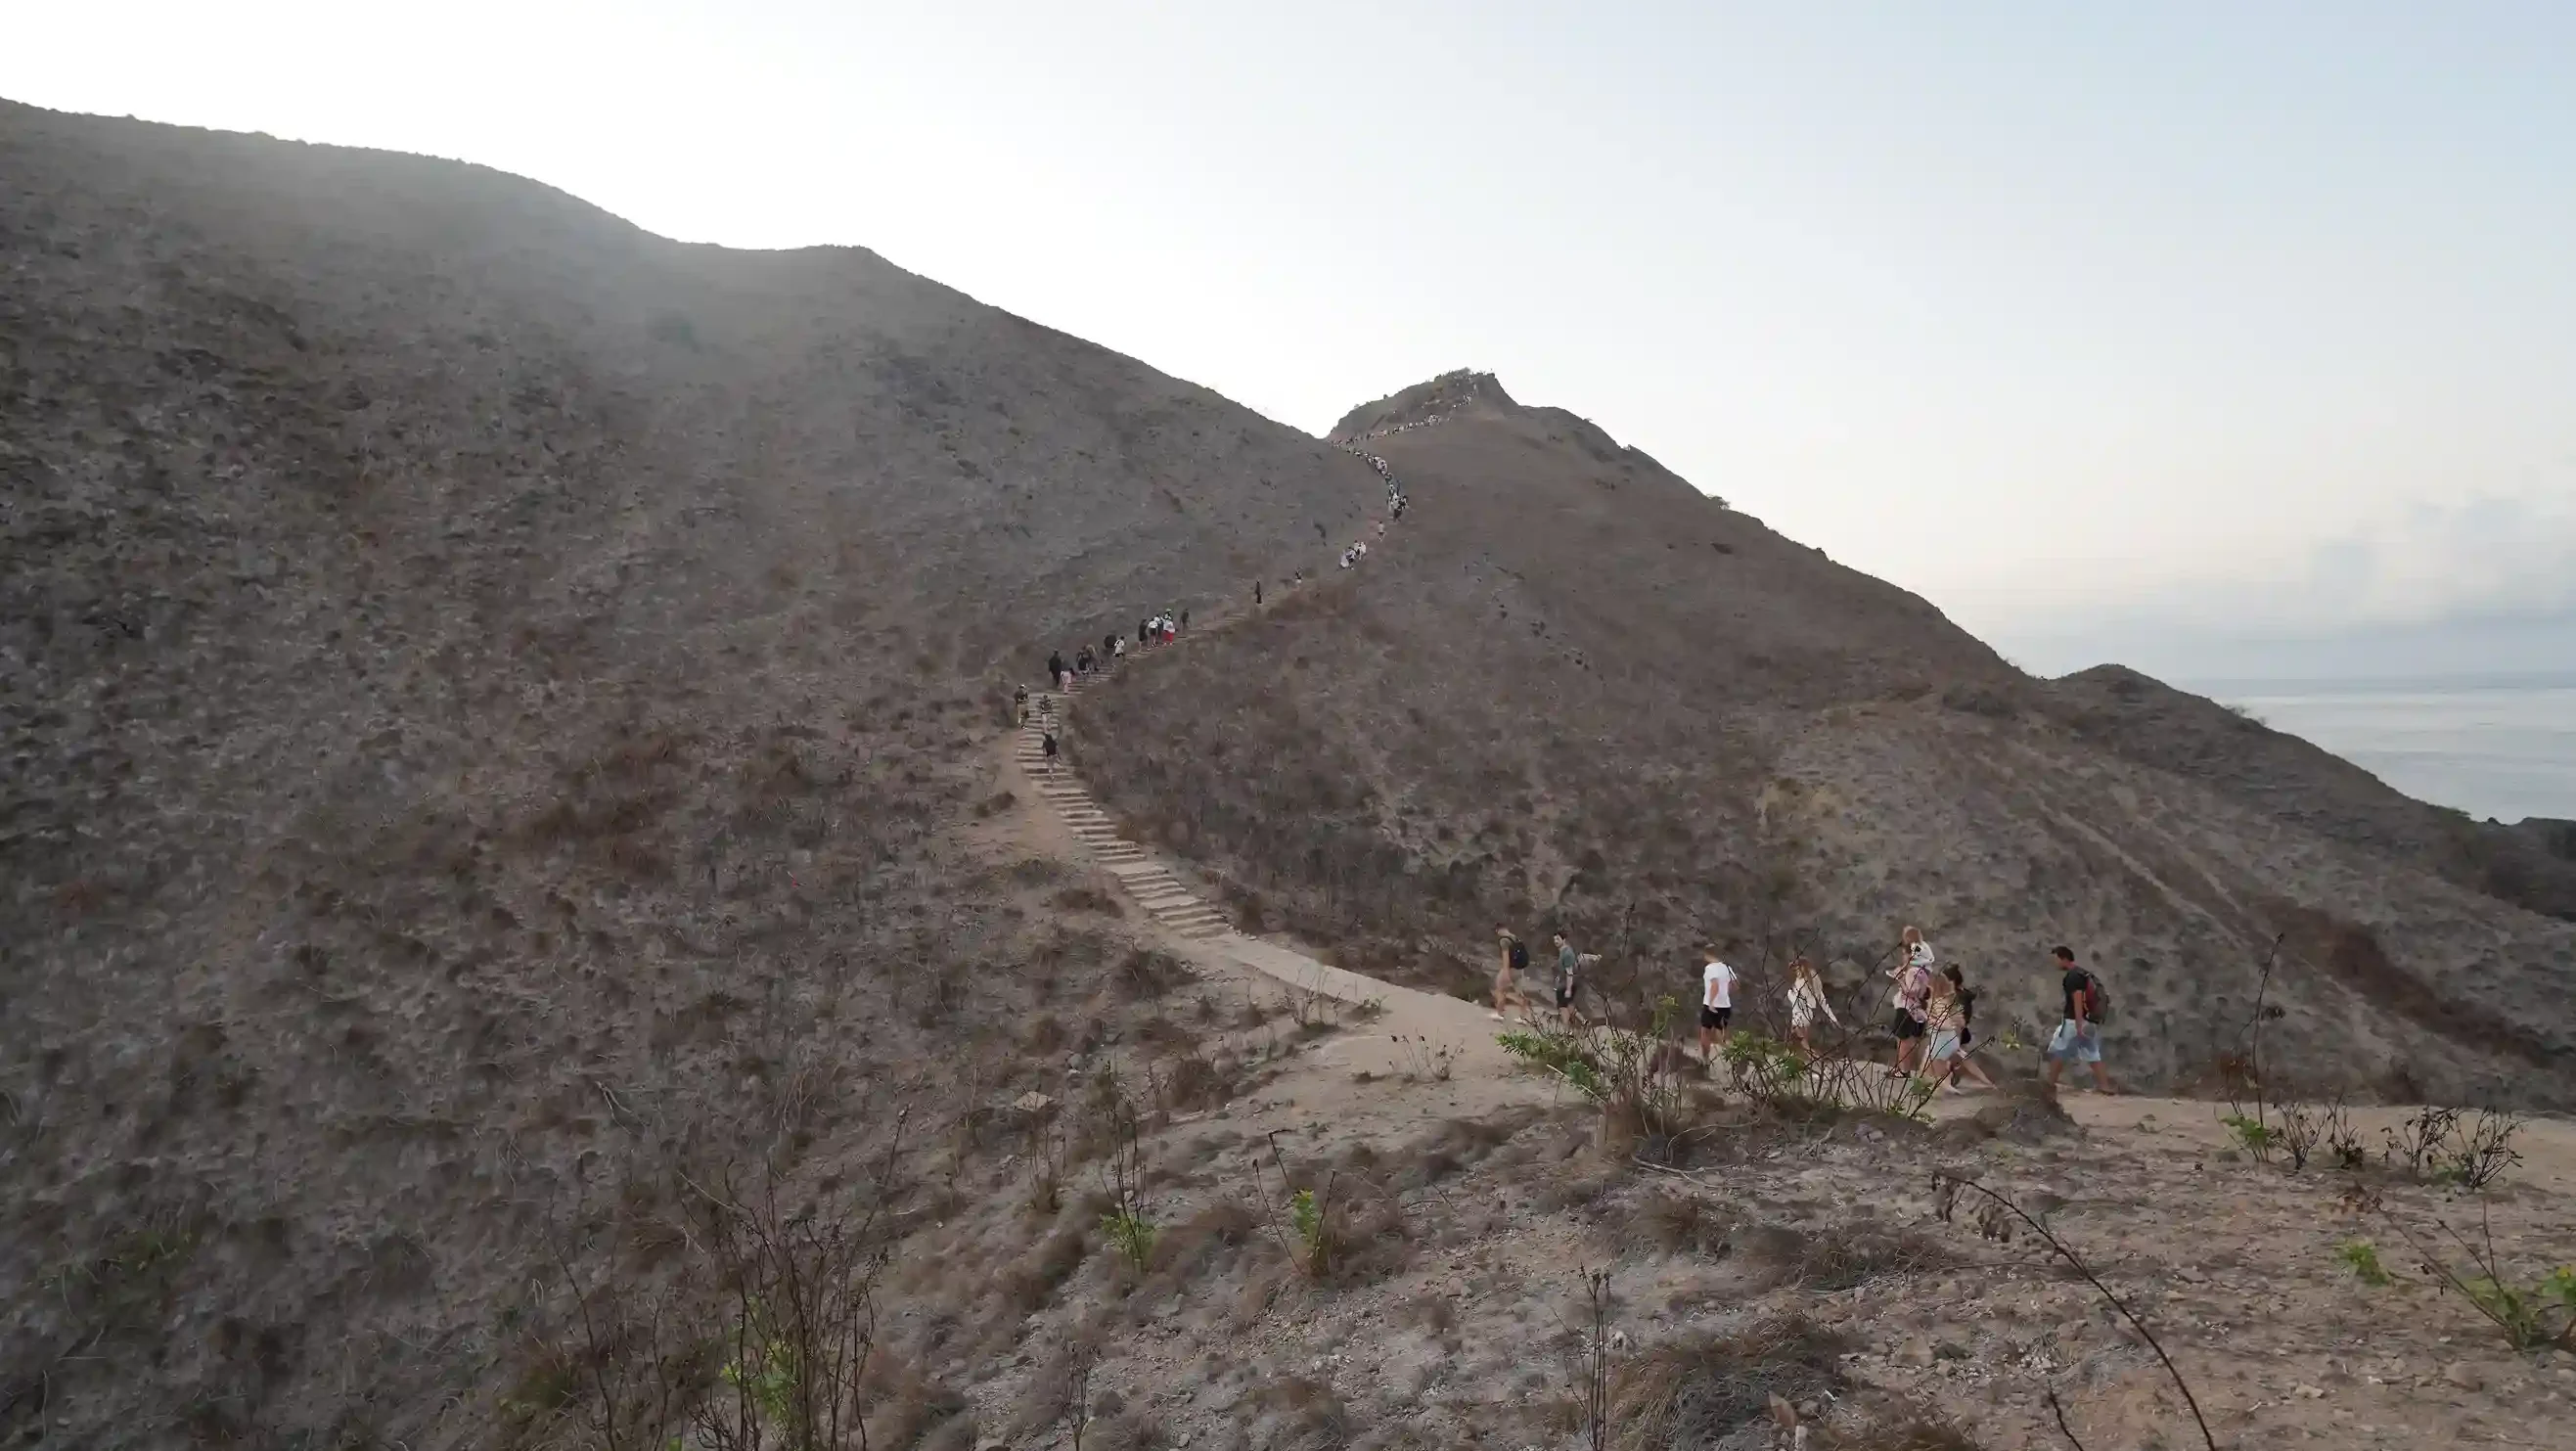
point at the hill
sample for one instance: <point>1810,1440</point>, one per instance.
<point>492,694</point>
<point>1572,691</point>
<point>526,926</point>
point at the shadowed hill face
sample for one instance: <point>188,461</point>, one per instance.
<point>1569,690</point>
<point>2313,789</point>
<point>489,695</point>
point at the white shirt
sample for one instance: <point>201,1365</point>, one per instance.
<point>1717,985</point>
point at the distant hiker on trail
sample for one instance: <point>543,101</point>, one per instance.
<point>1716,1004</point>
<point>1056,669</point>
<point>1806,999</point>
<point>1507,976</point>
<point>1020,706</point>
<point>1117,648</point>
<point>1082,661</point>
<point>2078,1036</point>
<point>1140,632</point>
<point>1913,974</point>
<point>1567,963</point>
<point>1256,594</point>
<point>1049,747</point>
<point>1954,1008</point>
<point>1109,646</point>
<point>1185,619</point>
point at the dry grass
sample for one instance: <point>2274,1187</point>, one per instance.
<point>1686,1394</point>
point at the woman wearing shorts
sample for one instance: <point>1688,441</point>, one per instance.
<point>1806,999</point>
<point>1913,974</point>
<point>1946,1023</point>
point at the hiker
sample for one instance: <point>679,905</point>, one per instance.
<point>1020,706</point>
<point>1806,999</point>
<point>1185,619</point>
<point>1082,661</point>
<point>1140,634</point>
<point>1117,648</point>
<point>1049,747</point>
<point>1055,669</point>
<point>1716,1004</point>
<point>1913,974</point>
<point>1507,976</point>
<point>1256,594</point>
<point>1567,963</point>
<point>1961,1011</point>
<point>2078,1036</point>
<point>1109,646</point>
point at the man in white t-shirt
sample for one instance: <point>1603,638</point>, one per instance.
<point>1716,1004</point>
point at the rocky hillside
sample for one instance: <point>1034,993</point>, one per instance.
<point>1571,690</point>
<point>491,697</point>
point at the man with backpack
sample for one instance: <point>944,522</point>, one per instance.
<point>2079,1032</point>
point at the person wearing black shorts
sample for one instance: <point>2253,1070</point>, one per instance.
<point>1716,1005</point>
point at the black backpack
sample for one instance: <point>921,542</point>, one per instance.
<point>1519,956</point>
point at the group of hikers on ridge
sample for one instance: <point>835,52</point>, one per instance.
<point>1933,1016</point>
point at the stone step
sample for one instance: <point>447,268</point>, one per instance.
<point>1188,919</point>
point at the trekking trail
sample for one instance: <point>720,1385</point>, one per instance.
<point>1203,935</point>
<point>1479,1075</point>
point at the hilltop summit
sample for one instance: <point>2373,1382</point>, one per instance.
<point>1424,403</point>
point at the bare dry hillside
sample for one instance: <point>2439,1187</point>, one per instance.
<point>524,925</point>
<point>1572,690</point>
<point>489,692</point>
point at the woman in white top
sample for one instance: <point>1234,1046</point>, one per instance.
<point>1806,999</point>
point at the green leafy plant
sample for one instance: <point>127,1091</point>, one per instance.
<point>2363,1257</point>
<point>1131,1234</point>
<point>2252,1134</point>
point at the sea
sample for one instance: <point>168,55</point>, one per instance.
<point>2500,747</point>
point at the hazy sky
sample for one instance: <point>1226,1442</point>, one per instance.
<point>2093,328</point>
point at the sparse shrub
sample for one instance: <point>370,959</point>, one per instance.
<point>1419,1060</point>
<point>2252,1135</point>
<point>1681,1224</point>
<point>1807,1088</point>
<point>2414,1147</point>
<point>2477,1155</point>
<point>2533,1314</point>
<point>2363,1258</point>
<point>1126,1222</point>
<point>1145,974</point>
<point>1634,1077</point>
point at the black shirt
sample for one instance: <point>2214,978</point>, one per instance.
<point>2077,980</point>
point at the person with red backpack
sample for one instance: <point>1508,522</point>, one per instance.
<point>2079,1032</point>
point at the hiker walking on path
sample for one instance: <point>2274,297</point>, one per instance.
<point>1806,999</point>
<point>1020,705</point>
<point>1716,1004</point>
<point>1055,669</point>
<point>1568,963</point>
<point>1951,988</point>
<point>1913,974</point>
<point>1049,746</point>
<point>1507,974</point>
<point>2079,1034</point>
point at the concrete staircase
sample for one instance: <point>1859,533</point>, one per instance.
<point>1155,889</point>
